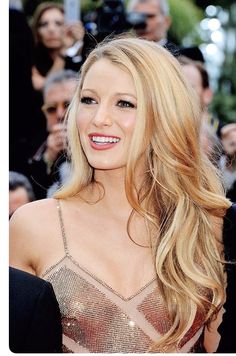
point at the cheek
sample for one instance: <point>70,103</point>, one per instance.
<point>41,35</point>
<point>128,123</point>
<point>51,121</point>
<point>82,121</point>
<point>159,22</point>
<point>61,30</point>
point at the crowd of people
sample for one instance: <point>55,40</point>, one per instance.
<point>129,181</point>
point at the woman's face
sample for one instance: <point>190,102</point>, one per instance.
<point>106,115</point>
<point>51,28</point>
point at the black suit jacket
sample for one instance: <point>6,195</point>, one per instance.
<point>227,327</point>
<point>34,315</point>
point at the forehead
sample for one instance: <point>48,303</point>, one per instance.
<point>148,7</point>
<point>18,194</point>
<point>61,91</point>
<point>51,13</point>
<point>106,73</point>
<point>192,74</point>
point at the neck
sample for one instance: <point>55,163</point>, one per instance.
<point>113,182</point>
<point>113,191</point>
<point>54,53</point>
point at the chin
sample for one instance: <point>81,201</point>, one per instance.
<point>106,166</point>
<point>54,45</point>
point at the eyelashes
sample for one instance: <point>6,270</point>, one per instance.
<point>121,103</point>
<point>125,104</point>
<point>87,100</point>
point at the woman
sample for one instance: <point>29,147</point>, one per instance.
<point>132,244</point>
<point>53,38</point>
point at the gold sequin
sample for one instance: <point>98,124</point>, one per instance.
<point>94,322</point>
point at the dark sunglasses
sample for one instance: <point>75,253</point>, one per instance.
<point>51,109</point>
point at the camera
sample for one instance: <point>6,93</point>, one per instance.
<point>111,18</point>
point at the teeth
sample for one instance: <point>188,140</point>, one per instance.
<point>101,139</point>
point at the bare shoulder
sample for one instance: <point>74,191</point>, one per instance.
<point>34,218</point>
<point>31,226</point>
<point>35,209</point>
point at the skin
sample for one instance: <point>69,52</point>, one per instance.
<point>17,198</point>
<point>108,107</point>
<point>194,77</point>
<point>158,25</point>
<point>205,96</point>
<point>51,29</point>
<point>56,36</point>
<point>103,247</point>
<point>108,113</point>
<point>228,134</point>
<point>56,95</point>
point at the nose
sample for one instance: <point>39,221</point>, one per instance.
<point>60,113</point>
<point>51,27</point>
<point>102,116</point>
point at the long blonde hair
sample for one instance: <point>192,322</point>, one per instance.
<point>181,199</point>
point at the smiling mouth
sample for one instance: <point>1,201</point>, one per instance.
<point>101,140</point>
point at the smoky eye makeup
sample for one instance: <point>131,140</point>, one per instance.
<point>125,104</point>
<point>87,100</point>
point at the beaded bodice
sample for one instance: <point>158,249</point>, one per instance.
<point>95,318</point>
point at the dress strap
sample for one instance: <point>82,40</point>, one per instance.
<point>62,227</point>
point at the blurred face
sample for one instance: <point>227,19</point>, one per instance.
<point>229,139</point>
<point>56,101</point>
<point>17,198</point>
<point>106,115</point>
<point>205,141</point>
<point>194,77</point>
<point>157,23</point>
<point>51,28</point>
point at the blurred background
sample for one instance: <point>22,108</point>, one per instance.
<point>211,25</point>
<point>48,43</point>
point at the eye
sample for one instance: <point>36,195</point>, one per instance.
<point>43,24</point>
<point>59,23</point>
<point>66,104</point>
<point>125,104</point>
<point>87,100</point>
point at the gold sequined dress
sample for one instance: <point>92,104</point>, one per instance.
<point>96,319</point>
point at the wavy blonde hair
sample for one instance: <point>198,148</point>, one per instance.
<point>181,199</point>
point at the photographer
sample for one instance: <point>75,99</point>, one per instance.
<point>48,166</point>
<point>158,20</point>
<point>148,19</point>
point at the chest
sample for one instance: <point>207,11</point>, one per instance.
<point>96,318</point>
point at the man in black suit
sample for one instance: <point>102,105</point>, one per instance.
<point>34,315</point>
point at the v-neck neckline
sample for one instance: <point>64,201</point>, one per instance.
<point>99,280</point>
<point>74,261</point>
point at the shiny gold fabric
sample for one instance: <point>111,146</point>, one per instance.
<point>96,319</point>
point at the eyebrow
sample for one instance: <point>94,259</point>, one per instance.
<point>119,93</point>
